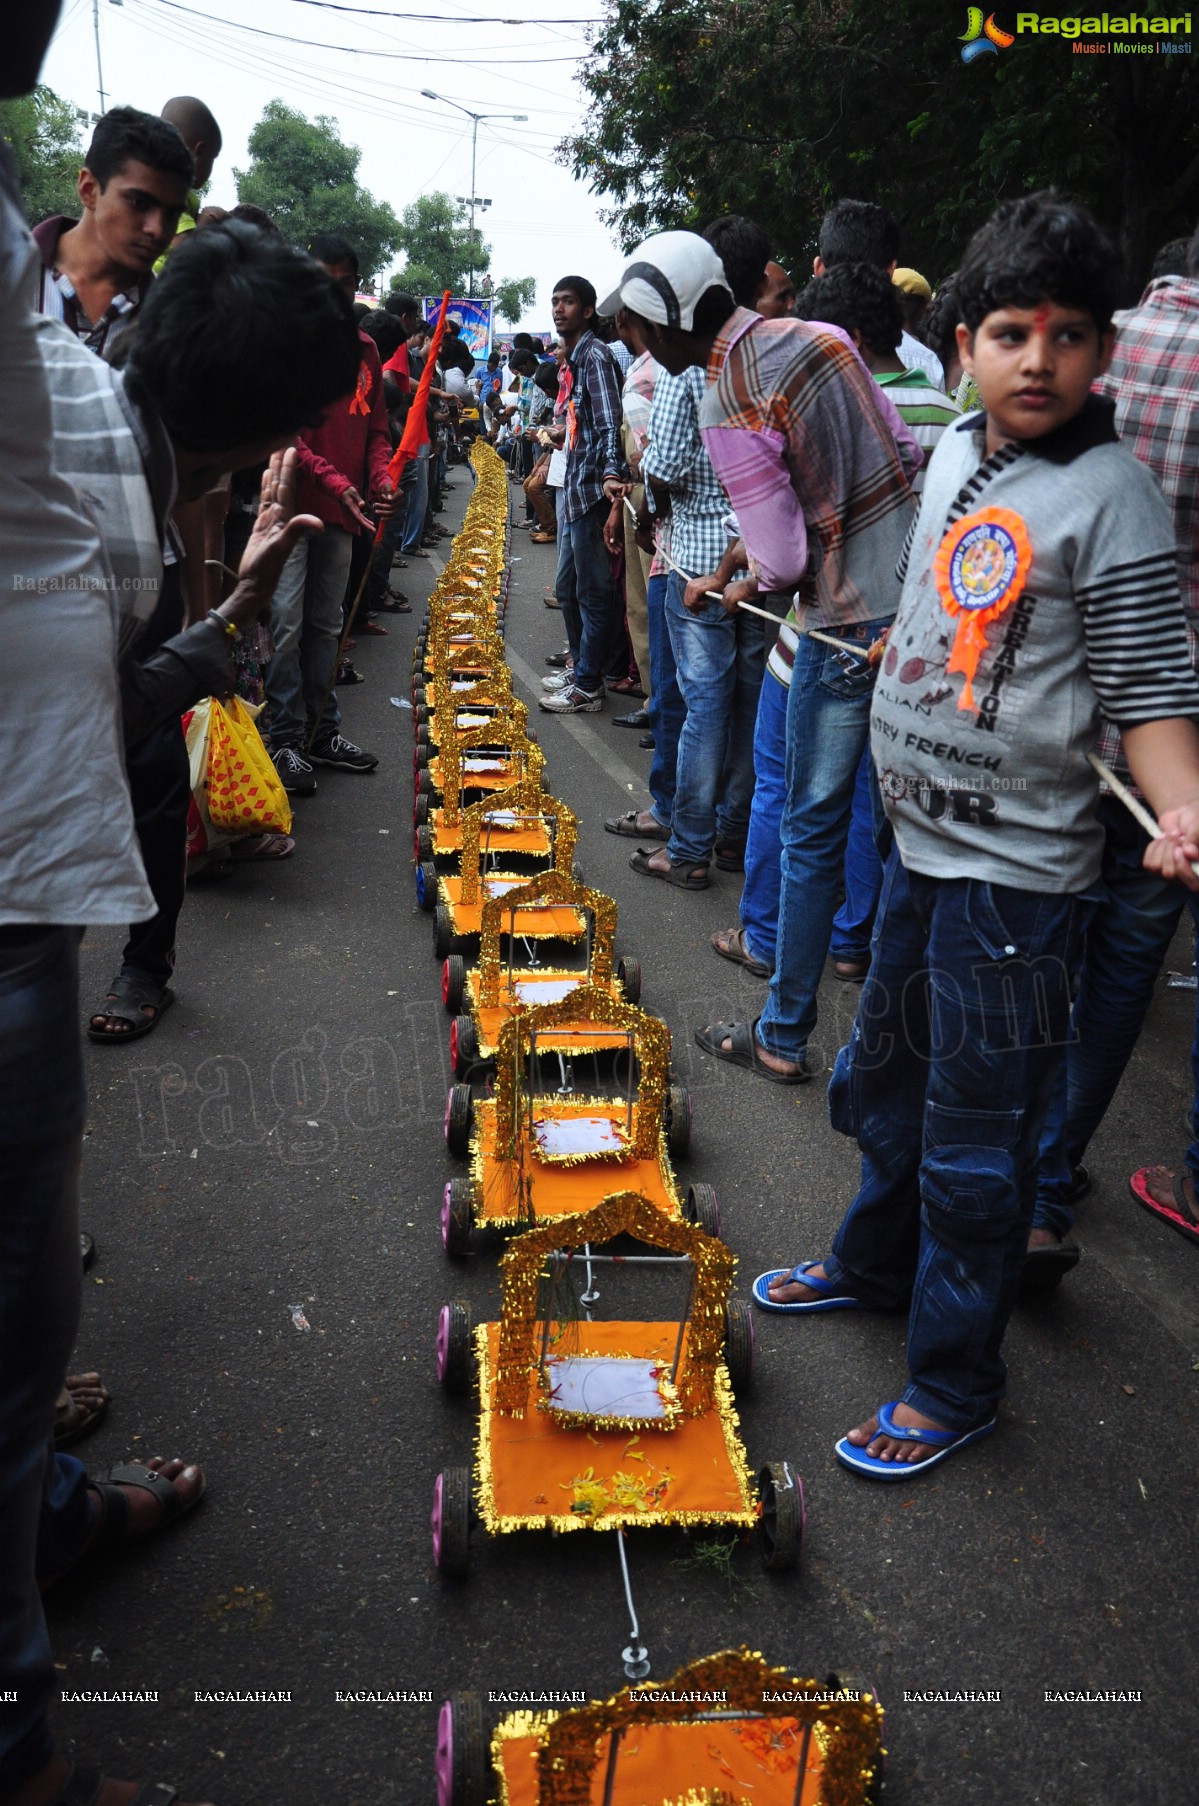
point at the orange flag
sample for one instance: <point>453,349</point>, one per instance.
<point>416,428</point>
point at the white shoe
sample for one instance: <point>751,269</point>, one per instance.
<point>558,680</point>
<point>569,701</point>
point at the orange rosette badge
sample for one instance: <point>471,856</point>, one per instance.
<point>980,569</point>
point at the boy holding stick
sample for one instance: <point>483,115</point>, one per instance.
<point>1040,590</point>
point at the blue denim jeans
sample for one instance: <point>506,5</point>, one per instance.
<point>665,704</point>
<point>416,502</point>
<point>853,923</point>
<point>1127,939</point>
<point>945,1085</point>
<point>306,624</point>
<point>760,893</point>
<point>41,1133</point>
<point>715,771</point>
<point>828,721</point>
<point>590,601</point>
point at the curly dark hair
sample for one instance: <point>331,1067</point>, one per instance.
<point>241,339</point>
<point>942,320</point>
<point>1043,247</point>
<point>858,297</point>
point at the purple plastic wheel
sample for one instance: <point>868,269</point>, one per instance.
<point>436,1518</point>
<point>444,1767</point>
<point>445,1241</point>
<point>443,1316</point>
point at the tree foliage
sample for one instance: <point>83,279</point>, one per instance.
<point>439,249</point>
<point>306,178</point>
<point>44,132</point>
<point>514,297</point>
<point>441,252</point>
<point>776,108</point>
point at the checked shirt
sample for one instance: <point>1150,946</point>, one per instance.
<point>676,458</point>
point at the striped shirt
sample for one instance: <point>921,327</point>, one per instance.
<point>675,457</point>
<point>1002,790</point>
<point>589,402</point>
<point>1154,382</point>
<point>924,410</point>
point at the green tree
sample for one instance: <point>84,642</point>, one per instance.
<point>306,179</point>
<point>441,252</point>
<point>778,107</point>
<point>44,132</point>
<point>514,297</point>
<point>439,249</point>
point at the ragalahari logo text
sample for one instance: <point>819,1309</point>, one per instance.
<point>982,37</point>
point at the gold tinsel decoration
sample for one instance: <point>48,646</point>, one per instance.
<point>849,1731</point>
<point>587,1003</point>
<point>626,1213</point>
<point>554,886</point>
<point>525,798</point>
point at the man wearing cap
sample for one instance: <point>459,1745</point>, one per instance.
<point>798,435</point>
<point>587,425</point>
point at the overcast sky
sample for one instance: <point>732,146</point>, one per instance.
<point>541,221</point>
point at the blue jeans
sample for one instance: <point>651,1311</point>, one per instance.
<point>416,502</point>
<point>715,769</point>
<point>828,720</point>
<point>41,1133</point>
<point>760,893</point>
<point>1127,939</point>
<point>591,604</point>
<point>945,1085</point>
<point>665,704</point>
<point>306,624</point>
<point>854,921</point>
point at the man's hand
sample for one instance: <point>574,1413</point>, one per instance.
<point>615,490</point>
<point>694,597</point>
<point>614,529</point>
<point>733,594</point>
<point>1175,853</point>
<point>384,502</point>
<point>277,531</point>
<point>351,501</point>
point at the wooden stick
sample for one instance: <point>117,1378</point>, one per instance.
<point>1132,803</point>
<point>826,639</point>
<point>715,595</point>
<point>763,614</point>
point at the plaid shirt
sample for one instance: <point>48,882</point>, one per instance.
<point>589,402</point>
<point>1154,382</point>
<point>676,458</point>
<point>795,427</point>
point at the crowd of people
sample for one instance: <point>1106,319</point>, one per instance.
<point>883,566</point>
<point>890,566</point>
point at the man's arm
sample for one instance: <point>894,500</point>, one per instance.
<point>752,469</point>
<point>675,447</point>
<point>602,381</point>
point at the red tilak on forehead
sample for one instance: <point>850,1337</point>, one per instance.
<point>1041,316</point>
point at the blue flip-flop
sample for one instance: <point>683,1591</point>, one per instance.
<point>831,1300</point>
<point>946,1442</point>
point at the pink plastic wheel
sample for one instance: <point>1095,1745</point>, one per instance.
<point>443,1316</point>
<point>454,1044</point>
<point>445,998</point>
<point>445,1240</point>
<point>444,1768</point>
<point>436,1518</point>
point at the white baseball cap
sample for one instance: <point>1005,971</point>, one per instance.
<point>666,277</point>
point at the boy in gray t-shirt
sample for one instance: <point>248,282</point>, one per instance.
<point>1040,590</point>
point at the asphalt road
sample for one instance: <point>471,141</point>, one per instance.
<point>262,1177</point>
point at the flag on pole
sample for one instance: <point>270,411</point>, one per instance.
<point>416,428</point>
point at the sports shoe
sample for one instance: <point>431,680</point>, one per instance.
<point>342,753</point>
<point>295,773</point>
<point>558,680</point>
<point>572,701</point>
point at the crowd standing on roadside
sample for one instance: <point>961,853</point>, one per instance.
<point>879,562</point>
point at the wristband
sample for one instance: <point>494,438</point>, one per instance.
<point>225,624</point>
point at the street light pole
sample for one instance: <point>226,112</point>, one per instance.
<point>474,118</point>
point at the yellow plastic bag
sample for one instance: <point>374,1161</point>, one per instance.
<point>244,792</point>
